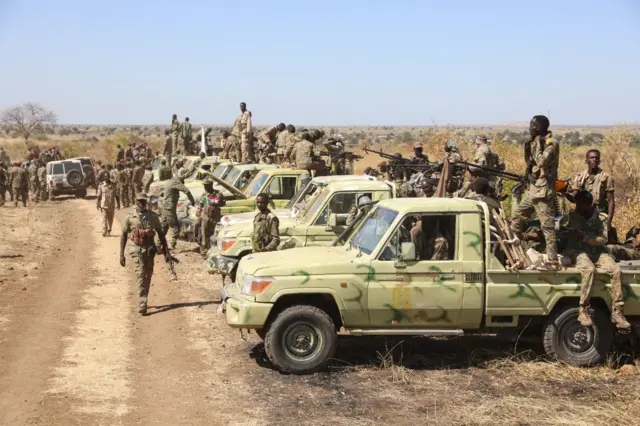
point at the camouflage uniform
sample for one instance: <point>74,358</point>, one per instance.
<point>4,179</point>
<point>588,253</point>
<point>4,157</point>
<point>435,247</point>
<point>19,183</point>
<point>123,185</point>
<point>336,149</point>
<point>175,132</point>
<point>168,149</point>
<point>210,214</point>
<point>147,180</point>
<point>164,173</point>
<point>168,215</point>
<point>290,140</point>
<point>107,204</point>
<point>137,178</point>
<point>599,184</point>
<point>301,154</point>
<point>242,130</point>
<point>131,193</point>
<point>43,191</point>
<point>281,145</point>
<point>456,177</point>
<point>630,250</point>
<point>491,202</point>
<point>266,233</point>
<point>34,184</point>
<point>143,227</point>
<point>267,141</point>
<point>541,193</point>
<point>186,132</point>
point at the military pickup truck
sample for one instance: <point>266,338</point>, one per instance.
<point>377,283</point>
<point>281,184</point>
<point>198,173</point>
<point>311,228</point>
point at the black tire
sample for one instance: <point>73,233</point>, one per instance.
<point>292,324</point>
<point>566,340</point>
<point>74,177</point>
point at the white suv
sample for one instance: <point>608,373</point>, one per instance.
<point>66,177</point>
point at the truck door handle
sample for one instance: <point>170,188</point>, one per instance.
<point>447,276</point>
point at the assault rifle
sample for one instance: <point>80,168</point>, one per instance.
<point>407,163</point>
<point>171,261</point>
<point>347,155</point>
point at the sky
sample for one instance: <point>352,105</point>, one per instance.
<point>329,62</point>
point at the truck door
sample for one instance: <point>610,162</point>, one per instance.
<point>340,203</point>
<point>427,291</point>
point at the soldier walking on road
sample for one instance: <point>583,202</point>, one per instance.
<point>542,154</point>
<point>138,177</point>
<point>107,202</point>
<point>143,225</point>
<point>43,190</point>
<point>586,247</point>
<point>19,183</point>
<point>169,217</point>
<point>266,232</point>
<point>210,214</point>
<point>131,193</point>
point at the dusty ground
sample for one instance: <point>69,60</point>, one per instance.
<point>73,350</point>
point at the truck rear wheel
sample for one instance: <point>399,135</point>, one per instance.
<point>301,340</point>
<point>565,339</point>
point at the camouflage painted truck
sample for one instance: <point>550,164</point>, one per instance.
<point>297,300</point>
<point>312,228</point>
<point>281,184</point>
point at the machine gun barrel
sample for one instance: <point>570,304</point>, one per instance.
<point>493,171</point>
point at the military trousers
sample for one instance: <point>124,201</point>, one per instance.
<point>432,248</point>
<point>587,264</point>
<point>621,252</point>
<point>143,267</point>
<point>3,194</point>
<point>20,194</point>
<point>544,209</point>
<point>44,192</point>
<point>174,142</point>
<point>247,153</point>
<point>107,220</point>
<point>34,188</point>
<point>169,221</point>
<point>207,227</point>
<point>186,146</point>
<point>132,193</point>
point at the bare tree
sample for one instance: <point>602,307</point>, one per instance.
<point>27,119</point>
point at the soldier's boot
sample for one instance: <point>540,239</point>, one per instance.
<point>142,309</point>
<point>617,317</point>
<point>584,316</point>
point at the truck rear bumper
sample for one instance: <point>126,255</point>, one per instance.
<point>241,313</point>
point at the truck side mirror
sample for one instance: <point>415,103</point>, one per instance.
<point>408,251</point>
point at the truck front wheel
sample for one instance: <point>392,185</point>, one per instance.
<point>301,340</point>
<point>565,339</point>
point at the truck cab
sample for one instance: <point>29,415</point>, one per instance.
<point>419,267</point>
<point>319,224</point>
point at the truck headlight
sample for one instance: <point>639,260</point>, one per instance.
<point>226,243</point>
<point>255,285</point>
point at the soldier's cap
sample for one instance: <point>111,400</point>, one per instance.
<point>417,145</point>
<point>141,197</point>
<point>207,181</point>
<point>481,138</point>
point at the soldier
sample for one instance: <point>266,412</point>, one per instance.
<point>599,183</point>
<point>128,153</point>
<point>4,179</point>
<point>164,172</point>
<point>456,177</point>
<point>4,157</point>
<point>175,130</point>
<point>131,193</point>
<point>138,176</point>
<point>107,202</point>
<point>243,132</point>
<point>266,232</point>
<point>34,184</point>
<point>19,183</point>
<point>226,145</point>
<point>267,141</point>
<point>586,247</point>
<point>42,182</point>
<point>289,141</point>
<point>363,203</point>
<point>281,144</point>
<point>119,154</point>
<point>187,135</point>
<point>481,191</point>
<point>168,146</point>
<point>123,185</point>
<point>168,216</point>
<point>335,146</point>
<point>630,249</point>
<point>302,153</point>
<point>435,246</point>
<point>147,179</point>
<point>209,213</point>
<point>142,226</point>
<point>542,154</point>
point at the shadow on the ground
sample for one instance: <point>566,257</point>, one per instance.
<point>165,308</point>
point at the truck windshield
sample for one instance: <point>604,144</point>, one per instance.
<point>373,229</point>
<point>219,171</point>
<point>256,184</point>
<point>315,203</point>
<point>300,195</point>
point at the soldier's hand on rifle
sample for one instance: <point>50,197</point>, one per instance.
<point>123,261</point>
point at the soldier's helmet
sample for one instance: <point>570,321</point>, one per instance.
<point>451,146</point>
<point>207,181</point>
<point>481,139</point>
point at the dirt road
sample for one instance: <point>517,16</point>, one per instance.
<point>73,350</point>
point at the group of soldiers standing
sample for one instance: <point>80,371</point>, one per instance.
<point>21,180</point>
